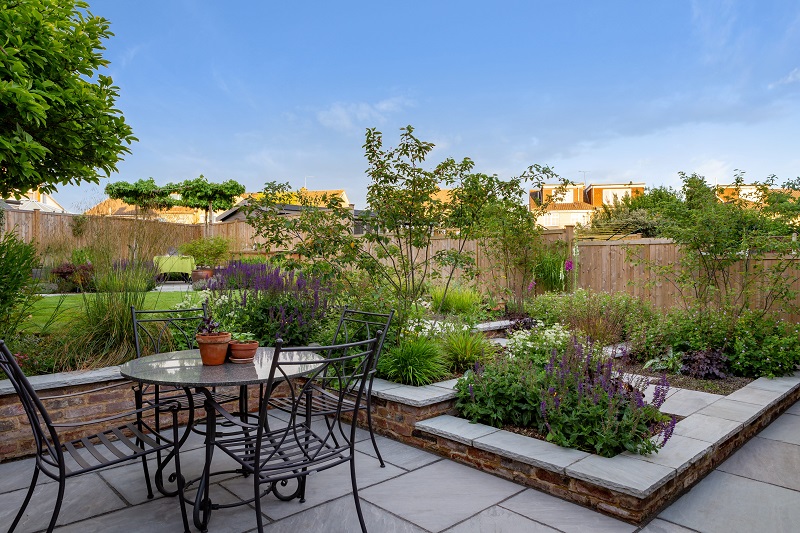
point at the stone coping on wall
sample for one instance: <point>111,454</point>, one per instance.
<point>66,379</point>
<point>701,440</point>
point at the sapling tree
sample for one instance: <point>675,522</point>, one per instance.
<point>200,193</point>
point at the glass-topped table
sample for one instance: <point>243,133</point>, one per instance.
<point>184,369</point>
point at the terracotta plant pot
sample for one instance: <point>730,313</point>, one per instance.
<point>202,273</point>
<point>243,350</point>
<point>213,348</point>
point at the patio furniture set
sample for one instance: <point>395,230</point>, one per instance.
<point>313,385</point>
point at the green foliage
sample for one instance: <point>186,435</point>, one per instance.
<point>200,193</point>
<point>58,123</point>
<point>586,405</point>
<point>413,361</point>
<point>605,318</point>
<point>17,286</point>
<point>671,362</point>
<point>459,300</point>
<point>643,214</point>
<point>764,346</point>
<point>503,392</point>
<point>144,194</point>
<point>207,251</point>
<point>537,345</point>
<point>136,276</point>
<point>464,348</point>
<point>549,272</point>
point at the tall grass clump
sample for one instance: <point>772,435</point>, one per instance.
<point>464,348</point>
<point>414,361</point>
<point>458,299</point>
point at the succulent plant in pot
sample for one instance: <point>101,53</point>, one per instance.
<point>212,342</point>
<point>242,347</point>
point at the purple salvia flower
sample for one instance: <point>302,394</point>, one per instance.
<point>471,392</point>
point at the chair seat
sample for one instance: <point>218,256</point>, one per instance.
<point>323,402</point>
<point>122,443</point>
<point>285,454</point>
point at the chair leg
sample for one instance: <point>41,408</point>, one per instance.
<point>27,499</point>
<point>372,433</point>
<point>355,494</point>
<point>181,495</point>
<point>59,500</point>
<point>257,501</point>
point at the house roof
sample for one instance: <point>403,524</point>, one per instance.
<point>112,206</point>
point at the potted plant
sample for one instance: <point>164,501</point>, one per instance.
<point>243,347</point>
<point>213,343</point>
<point>207,253</point>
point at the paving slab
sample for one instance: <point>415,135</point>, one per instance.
<point>563,515</point>
<point>786,429</point>
<point>398,454</point>
<point>679,453</point>
<point>18,475</point>
<point>685,402</point>
<point>708,428</point>
<point>724,503</point>
<point>770,461</point>
<point>783,384</point>
<point>415,396</point>
<point>321,487</point>
<point>382,385</point>
<point>492,326</point>
<point>502,520</point>
<point>622,473</point>
<point>733,410</point>
<point>530,451</point>
<point>794,409</point>
<point>756,396</point>
<point>450,384</point>
<point>500,341</point>
<point>662,526</point>
<point>339,516</point>
<point>455,428</point>
<point>444,494</point>
<point>84,497</point>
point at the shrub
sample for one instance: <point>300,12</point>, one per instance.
<point>464,348</point>
<point>538,344</point>
<point>17,259</point>
<point>208,252</point>
<point>705,364</point>
<point>135,276</point>
<point>502,392</point>
<point>586,405</point>
<point>764,346</point>
<point>74,278</point>
<point>413,361</point>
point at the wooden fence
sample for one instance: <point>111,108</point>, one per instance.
<point>600,265</point>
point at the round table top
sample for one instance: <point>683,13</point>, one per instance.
<point>185,369</point>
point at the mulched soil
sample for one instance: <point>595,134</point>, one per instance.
<point>716,386</point>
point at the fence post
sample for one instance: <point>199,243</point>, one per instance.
<point>36,226</point>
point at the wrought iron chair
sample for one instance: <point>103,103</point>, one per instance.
<point>353,326</point>
<point>61,461</point>
<point>295,450</point>
<point>156,331</point>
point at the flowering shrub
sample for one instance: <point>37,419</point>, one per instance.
<point>537,344</point>
<point>586,405</point>
<point>422,327</point>
<point>764,347</point>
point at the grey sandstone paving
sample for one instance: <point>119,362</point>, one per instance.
<point>440,495</point>
<point>755,396</point>
<point>397,453</point>
<point>725,503</point>
<point>339,516</point>
<point>563,515</point>
<point>685,402</point>
<point>679,453</point>
<point>707,428</point>
<point>416,396</point>
<point>733,410</point>
<point>18,474</point>
<point>455,428</point>
<point>662,526</point>
<point>786,429</point>
<point>382,385</point>
<point>770,461</point>
<point>622,473</point>
<point>784,384</point>
<point>498,519</point>
<point>794,409</point>
<point>530,451</point>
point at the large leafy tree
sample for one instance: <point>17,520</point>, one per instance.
<point>58,121</point>
<point>200,193</point>
<point>143,194</point>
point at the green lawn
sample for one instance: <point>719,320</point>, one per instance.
<point>71,305</point>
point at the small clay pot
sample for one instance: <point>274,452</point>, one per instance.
<point>213,348</point>
<point>243,349</point>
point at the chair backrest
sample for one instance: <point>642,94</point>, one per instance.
<point>301,369</point>
<point>44,434</point>
<point>157,331</point>
<point>355,325</point>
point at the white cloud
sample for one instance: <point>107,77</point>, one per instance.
<point>792,77</point>
<point>355,116</point>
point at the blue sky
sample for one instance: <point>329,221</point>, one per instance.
<point>260,91</point>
